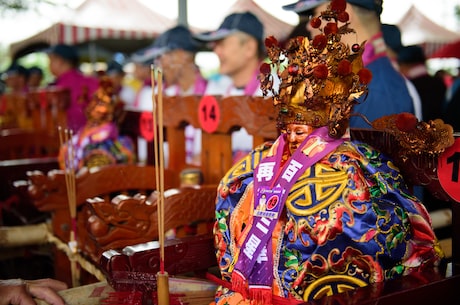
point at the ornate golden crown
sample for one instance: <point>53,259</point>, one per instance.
<point>104,106</point>
<point>320,79</point>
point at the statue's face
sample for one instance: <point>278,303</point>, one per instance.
<point>100,112</point>
<point>295,134</point>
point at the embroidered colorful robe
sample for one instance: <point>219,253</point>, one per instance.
<point>348,221</point>
<point>98,146</point>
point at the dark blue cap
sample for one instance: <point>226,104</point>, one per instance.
<point>304,5</point>
<point>35,70</point>
<point>15,69</point>
<point>392,36</point>
<point>237,22</point>
<point>67,52</point>
<point>178,37</point>
<point>114,67</point>
<point>144,56</point>
<point>411,54</point>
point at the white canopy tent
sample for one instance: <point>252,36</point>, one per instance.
<point>416,28</point>
<point>115,26</point>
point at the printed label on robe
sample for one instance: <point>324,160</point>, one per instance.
<point>209,114</point>
<point>267,202</point>
<point>449,170</point>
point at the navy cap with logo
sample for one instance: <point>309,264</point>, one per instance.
<point>237,22</point>
<point>304,5</point>
<point>67,52</point>
<point>178,37</point>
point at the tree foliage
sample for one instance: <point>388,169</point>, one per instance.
<point>16,6</point>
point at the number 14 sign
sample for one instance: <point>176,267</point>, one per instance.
<point>209,114</point>
<point>449,170</point>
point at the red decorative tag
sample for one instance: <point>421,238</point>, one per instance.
<point>449,170</point>
<point>146,126</point>
<point>209,114</point>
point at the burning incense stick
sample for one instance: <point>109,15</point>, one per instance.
<point>162,276</point>
<point>65,138</point>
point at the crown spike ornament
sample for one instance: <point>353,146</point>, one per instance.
<point>321,79</point>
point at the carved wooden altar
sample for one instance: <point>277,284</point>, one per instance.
<point>112,232</point>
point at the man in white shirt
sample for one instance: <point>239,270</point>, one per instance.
<point>239,45</point>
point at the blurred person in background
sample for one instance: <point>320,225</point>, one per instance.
<point>35,79</point>
<point>174,52</point>
<point>116,74</point>
<point>239,45</point>
<point>388,93</point>
<point>305,14</point>
<point>14,112</point>
<point>142,74</point>
<point>432,89</point>
<point>446,76</point>
<point>451,112</point>
<point>15,78</point>
<point>64,65</point>
<point>392,37</point>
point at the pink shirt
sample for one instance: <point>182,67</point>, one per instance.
<point>81,87</point>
